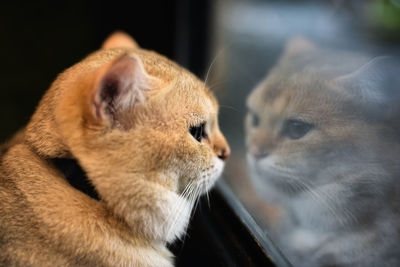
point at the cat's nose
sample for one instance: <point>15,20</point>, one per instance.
<point>224,153</point>
<point>220,146</point>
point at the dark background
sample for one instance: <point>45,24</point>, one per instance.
<point>39,39</point>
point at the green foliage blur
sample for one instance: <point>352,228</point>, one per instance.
<point>385,15</point>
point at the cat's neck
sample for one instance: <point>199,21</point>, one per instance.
<point>75,176</point>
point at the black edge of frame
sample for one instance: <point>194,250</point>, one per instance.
<point>254,233</point>
<point>222,233</point>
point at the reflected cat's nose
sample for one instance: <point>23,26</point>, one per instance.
<point>258,153</point>
<point>261,155</point>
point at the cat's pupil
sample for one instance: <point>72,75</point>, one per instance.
<point>295,129</point>
<point>198,132</point>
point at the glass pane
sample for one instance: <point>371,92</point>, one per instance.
<point>309,94</point>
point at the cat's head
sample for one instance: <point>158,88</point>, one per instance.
<point>319,116</point>
<point>126,113</point>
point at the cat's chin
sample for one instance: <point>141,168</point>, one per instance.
<point>271,181</point>
<point>205,181</point>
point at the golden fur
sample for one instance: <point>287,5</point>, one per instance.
<point>124,114</point>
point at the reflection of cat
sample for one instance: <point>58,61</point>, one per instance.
<point>146,133</point>
<point>324,144</point>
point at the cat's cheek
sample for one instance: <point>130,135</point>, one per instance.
<point>255,166</point>
<point>250,161</point>
<point>217,170</point>
<point>211,174</point>
<point>263,166</point>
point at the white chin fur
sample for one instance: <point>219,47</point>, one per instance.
<point>260,180</point>
<point>177,218</point>
<point>179,212</point>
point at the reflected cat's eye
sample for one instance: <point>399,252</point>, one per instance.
<point>296,129</point>
<point>198,132</point>
<point>255,120</point>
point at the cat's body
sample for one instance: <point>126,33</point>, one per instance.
<point>323,140</point>
<point>145,132</point>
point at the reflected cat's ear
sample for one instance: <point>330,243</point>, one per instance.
<point>119,39</point>
<point>375,82</point>
<point>119,86</point>
<point>298,45</point>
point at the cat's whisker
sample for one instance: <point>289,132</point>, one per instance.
<point>330,201</point>
<point>316,196</point>
<point>221,50</point>
<point>294,187</point>
<point>197,198</point>
<point>191,195</point>
<point>177,209</point>
<point>191,199</point>
<point>327,200</point>
<point>217,84</point>
<point>186,189</point>
<point>338,211</point>
<point>229,107</point>
<point>176,214</point>
<point>208,200</point>
<point>212,64</point>
<point>203,184</point>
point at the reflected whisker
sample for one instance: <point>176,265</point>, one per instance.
<point>230,107</point>
<point>327,199</point>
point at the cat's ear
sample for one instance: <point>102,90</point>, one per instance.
<point>298,45</point>
<point>119,86</point>
<point>119,39</point>
<point>376,82</point>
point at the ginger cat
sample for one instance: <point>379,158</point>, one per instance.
<point>323,149</point>
<point>144,130</point>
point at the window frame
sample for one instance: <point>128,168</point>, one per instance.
<point>223,233</point>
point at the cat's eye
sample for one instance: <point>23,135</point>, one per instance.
<point>198,131</point>
<point>295,129</point>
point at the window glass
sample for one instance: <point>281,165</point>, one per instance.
<point>309,94</point>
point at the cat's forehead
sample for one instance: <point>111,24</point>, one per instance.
<point>298,95</point>
<point>182,90</point>
<point>198,99</point>
<point>187,96</point>
<point>269,94</point>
